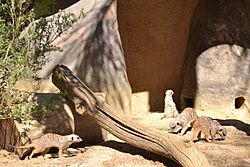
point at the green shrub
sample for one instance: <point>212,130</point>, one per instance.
<point>23,44</point>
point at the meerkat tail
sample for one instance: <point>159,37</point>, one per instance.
<point>22,147</point>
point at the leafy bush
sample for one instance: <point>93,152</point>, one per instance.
<point>23,44</point>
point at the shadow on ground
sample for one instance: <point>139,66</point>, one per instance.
<point>126,148</point>
<point>237,124</point>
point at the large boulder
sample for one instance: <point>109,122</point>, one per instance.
<point>92,49</point>
<point>217,58</point>
<point>223,80</point>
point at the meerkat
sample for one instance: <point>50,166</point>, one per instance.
<point>45,142</point>
<point>170,110</point>
<point>208,127</point>
<point>183,120</point>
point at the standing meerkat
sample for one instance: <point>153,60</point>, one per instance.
<point>45,142</point>
<point>208,127</point>
<point>183,120</point>
<point>170,110</point>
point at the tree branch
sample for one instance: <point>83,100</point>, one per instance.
<point>117,123</point>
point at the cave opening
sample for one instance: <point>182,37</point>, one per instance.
<point>239,101</point>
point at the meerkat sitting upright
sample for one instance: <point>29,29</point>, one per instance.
<point>170,110</point>
<point>45,142</point>
<point>208,127</point>
<point>183,121</point>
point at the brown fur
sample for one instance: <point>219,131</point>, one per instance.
<point>183,120</point>
<point>208,127</point>
<point>45,142</point>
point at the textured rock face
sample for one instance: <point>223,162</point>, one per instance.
<point>218,57</point>
<point>154,37</point>
<point>222,78</point>
<point>92,50</point>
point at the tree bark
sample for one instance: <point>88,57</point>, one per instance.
<point>117,123</point>
<point>9,136</point>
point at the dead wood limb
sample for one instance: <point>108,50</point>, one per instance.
<point>162,143</point>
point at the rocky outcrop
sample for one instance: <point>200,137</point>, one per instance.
<point>154,36</point>
<point>223,80</point>
<point>217,70</point>
<point>92,49</point>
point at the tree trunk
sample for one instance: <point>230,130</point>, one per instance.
<point>162,143</point>
<point>9,136</point>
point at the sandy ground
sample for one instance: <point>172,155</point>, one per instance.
<point>234,151</point>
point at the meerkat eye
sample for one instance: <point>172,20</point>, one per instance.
<point>178,123</point>
<point>220,130</point>
<point>72,138</point>
<point>78,138</point>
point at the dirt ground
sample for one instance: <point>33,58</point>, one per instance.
<point>234,151</point>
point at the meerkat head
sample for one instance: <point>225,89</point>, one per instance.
<point>169,92</point>
<point>74,138</point>
<point>175,125</point>
<point>222,131</point>
<point>217,128</point>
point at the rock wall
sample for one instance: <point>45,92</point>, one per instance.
<point>154,37</point>
<point>92,49</point>
<point>217,71</point>
<point>223,80</point>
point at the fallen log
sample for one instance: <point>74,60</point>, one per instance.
<point>120,125</point>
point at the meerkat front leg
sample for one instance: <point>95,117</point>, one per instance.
<point>196,133</point>
<point>184,128</point>
<point>213,134</point>
<point>45,152</point>
<point>206,134</point>
<point>35,151</point>
<point>32,153</point>
<point>60,153</point>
